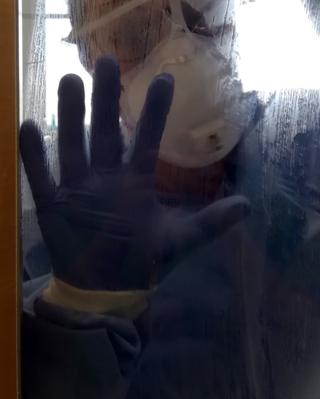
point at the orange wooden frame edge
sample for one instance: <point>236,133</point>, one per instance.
<point>9,314</point>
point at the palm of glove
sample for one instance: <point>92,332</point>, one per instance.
<point>103,225</point>
<point>108,233</point>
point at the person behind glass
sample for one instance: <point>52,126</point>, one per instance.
<point>111,240</point>
<point>198,162</point>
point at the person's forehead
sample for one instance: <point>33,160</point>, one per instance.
<point>83,12</point>
<point>89,6</point>
<point>96,14</point>
<point>220,8</point>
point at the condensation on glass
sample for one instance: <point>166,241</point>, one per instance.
<point>245,321</point>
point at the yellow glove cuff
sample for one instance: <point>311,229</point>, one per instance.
<point>126,304</point>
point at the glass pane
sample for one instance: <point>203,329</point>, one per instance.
<point>171,233</point>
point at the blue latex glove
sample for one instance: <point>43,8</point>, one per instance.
<point>103,225</point>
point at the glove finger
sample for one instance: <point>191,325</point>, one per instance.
<point>35,162</point>
<point>152,123</point>
<point>71,134</point>
<point>219,217</point>
<point>188,233</point>
<point>106,142</point>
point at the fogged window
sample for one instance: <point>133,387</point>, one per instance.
<point>239,318</point>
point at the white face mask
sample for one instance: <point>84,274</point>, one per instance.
<point>209,111</point>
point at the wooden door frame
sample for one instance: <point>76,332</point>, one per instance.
<point>9,303</point>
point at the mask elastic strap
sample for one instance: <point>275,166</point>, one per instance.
<point>177,14</point>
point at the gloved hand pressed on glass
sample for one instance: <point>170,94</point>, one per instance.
<point>103,225</point>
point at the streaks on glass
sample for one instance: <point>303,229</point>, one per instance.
<point>275,47</point>
<point>45,23</point>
